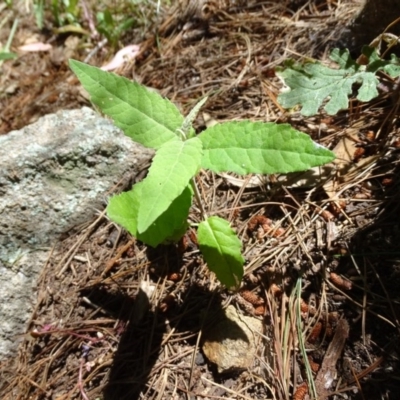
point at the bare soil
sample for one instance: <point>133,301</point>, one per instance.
<point>117,320</point>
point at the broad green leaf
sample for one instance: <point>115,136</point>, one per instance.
<point>221,249</point>
<point>173,166</point>
<point>263,148</point>
<point>122,209</point>
<point>142,114</point>
<point>172,223</point>
<point>313,83</point>
<point>169,226</point>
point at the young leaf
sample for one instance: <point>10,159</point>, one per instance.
<point>264,148</point>
<point>391,67</point>
<point>310,84</point>
<point>170,225</point>
<point>173,166</point>
<point>187,123</point>
<point>221,249</point>
<point>142,114</point>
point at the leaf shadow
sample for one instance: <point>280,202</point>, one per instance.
<point>140,353</point>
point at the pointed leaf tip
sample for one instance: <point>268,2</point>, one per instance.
<point>263,148</point>
<point>143,115</point>
<point>221,249</point>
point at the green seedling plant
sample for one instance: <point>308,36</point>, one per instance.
<point>66,12</point>
<point>156,210</point>
<point>112,27</point>
<point>66,15</point>
<point>38,9</point>
<point>310,84</point>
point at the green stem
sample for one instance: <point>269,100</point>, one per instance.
<point>310,379</point>
<point>11,36</point>
<point>198,198</point>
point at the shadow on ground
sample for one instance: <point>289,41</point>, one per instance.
<point>374,256</point>
<point>145,333</point>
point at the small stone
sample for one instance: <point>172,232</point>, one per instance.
<point>231,343</point>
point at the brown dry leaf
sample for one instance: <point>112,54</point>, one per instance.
<point>126,54</point>
<point>345,148</point>
<point>346,168</point>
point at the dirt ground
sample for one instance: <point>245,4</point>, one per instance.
<point>322,265</point>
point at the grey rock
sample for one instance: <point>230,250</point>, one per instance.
<point>371,20</point>
<point>54,174</point>
<point>375,18</point>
